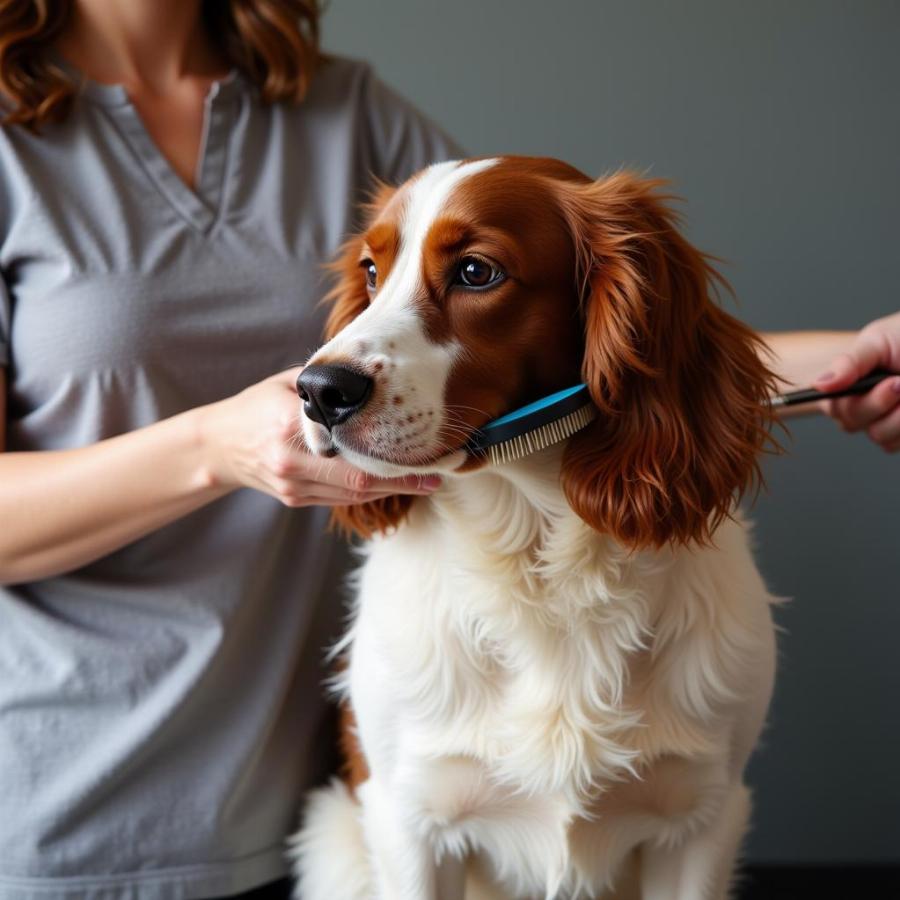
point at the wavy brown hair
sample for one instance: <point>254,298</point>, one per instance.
<point>275,43</point>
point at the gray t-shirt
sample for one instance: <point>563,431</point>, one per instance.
<point>159,708</point>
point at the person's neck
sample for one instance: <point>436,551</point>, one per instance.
<point>153,44</point>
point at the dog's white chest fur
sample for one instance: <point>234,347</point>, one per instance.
<point>530,693</point>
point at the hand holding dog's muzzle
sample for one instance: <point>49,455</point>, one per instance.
<point>254,440</point>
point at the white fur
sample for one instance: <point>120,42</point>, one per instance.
<point>532,697</point>
<point>333,820</point>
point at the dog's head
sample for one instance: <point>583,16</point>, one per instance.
<point>481,286</point>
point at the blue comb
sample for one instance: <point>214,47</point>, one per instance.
<point>531,428</point>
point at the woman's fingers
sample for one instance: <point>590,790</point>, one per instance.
<point>338,473</point>
<point>323,497</point>
<point>886,431</point>
<point>300,479</point>
<point>866,353</point>
<point>326,495</point>
<point>877,412</point>
<point>861,412</point>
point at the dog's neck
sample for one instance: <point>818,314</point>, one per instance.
<point>507,506</point>
<point>516,517</point>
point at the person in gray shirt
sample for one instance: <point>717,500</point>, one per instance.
<point>168,583</point>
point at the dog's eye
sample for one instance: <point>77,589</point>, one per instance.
<point>371,273</point>
<point>475,272</point>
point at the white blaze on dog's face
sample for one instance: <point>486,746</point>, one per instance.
<point>388,341</point>
<point>468,270</point>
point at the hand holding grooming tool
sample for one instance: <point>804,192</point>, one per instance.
<point>557,417</point>
<point>810,395</point>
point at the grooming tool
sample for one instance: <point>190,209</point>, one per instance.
<point>808,395</point>
<point>531,428</point>
<point>553,419</point>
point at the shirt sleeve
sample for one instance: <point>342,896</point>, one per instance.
<point>403,139</point>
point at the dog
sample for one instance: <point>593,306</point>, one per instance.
<point>557,668</point>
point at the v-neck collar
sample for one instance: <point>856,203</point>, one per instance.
<point>200,208</point>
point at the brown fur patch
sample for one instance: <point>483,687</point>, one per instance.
<point>354,768</point>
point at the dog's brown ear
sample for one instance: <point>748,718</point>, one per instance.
<point>680,386</point>
<point>348,299</point>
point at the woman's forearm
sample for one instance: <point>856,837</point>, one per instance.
<point>62,509</point>
<point>799,357</point>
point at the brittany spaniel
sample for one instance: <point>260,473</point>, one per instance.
<point>558,667</point>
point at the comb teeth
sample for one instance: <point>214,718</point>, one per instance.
<point>545,436</point>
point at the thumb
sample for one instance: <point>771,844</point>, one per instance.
<point>859,360</point>
<point>287,376</point>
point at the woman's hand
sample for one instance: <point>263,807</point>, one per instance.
<point>254,441</point>
<point>877,346</point>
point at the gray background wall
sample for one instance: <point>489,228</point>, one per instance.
<point>779,122</point>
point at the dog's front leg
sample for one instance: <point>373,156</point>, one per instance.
<point>402,857</point>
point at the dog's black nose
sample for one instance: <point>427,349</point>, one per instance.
<point>332,394</point>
